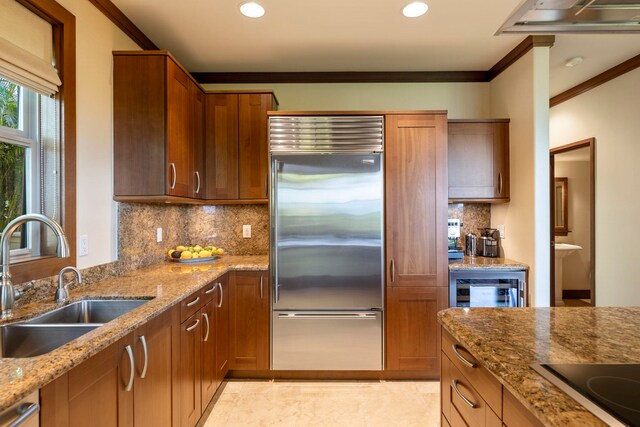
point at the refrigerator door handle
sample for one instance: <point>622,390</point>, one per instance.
<point>276,170</point>
<point>346,315</point>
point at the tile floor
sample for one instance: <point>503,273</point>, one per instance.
<point>334,403</point>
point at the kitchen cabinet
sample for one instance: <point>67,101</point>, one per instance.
<point>116,387</point>
<point>478,161</point>
<point>249,320</point>
<point>158,128</point>
<point>190,370</point>
<point>237,146</point>
<point>412,331</point>
<point>416,199</point>
<point>472,396</point>
<point>416,220</point>
<point>222,304</point>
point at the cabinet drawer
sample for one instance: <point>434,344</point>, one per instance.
<point>190,305</point>
<point>467,401</point>
<point>209,292</point>
<point>477,376</point>
<point>26,410</point>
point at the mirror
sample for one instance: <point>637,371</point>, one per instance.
<point>560,214</point>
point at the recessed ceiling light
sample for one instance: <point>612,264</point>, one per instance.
<point>415,9</point>
<point>573,62</point>
<point>251,9</point>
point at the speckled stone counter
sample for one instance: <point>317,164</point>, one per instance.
<point>479,263</point>
<point>164,284</point>
<point>508,340</point>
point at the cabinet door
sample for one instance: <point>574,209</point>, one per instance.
<point>249,311</point>
<point>197,126</point>
<point>152,398</point>
<point>98,392</point>
<point>416,200</point>
<point>209,367</point>
<point>478,160</point>
<point>412,332</point>
<point>222,329</point>
<point>179,132</point>
<point>190,371</point>
<point>222,145</point>
<point>253,146</point>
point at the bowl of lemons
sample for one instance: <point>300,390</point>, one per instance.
<point>195,253</point>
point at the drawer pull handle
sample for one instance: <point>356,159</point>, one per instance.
<point>221,295</point>
<point>189,304</point>
<point>213,288</point>
<point>174,174</point>
<point>454,347</point>
<point>198,187</point>
<point>24,411</point>
<point>192,327</point>
<point>454,384</point>
<point>393,270</point>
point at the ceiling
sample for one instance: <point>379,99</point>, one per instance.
<point>358,35</point>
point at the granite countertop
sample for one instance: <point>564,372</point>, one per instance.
<point>167,283</point>
<point>507,340</point>
<point>479,263</point>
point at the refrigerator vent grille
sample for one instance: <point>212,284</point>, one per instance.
<point>326,133</point>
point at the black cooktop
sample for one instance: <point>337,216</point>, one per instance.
<point>610,391</point>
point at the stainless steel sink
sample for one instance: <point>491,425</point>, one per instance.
<point>23,340</point>
<point>87,311</point>
<point>55,328</point>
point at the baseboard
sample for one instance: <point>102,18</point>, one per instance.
<point>333,375</point>
<point>576,293</point>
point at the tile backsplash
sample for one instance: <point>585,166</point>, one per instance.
<point>472,216</point>
<point>181,225</point>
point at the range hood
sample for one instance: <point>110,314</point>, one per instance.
<point>574,16</point>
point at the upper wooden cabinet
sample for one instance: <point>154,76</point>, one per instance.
<point>237,145</point>
<point>479,160</point>
<point>158,127</point>
<point>416,199</point>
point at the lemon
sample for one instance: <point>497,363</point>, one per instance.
<point>220,251</point>
<point>186,255</point>
<point>204,253</point>
<point>170,252</point>
<point>195,255</point>
<point>197,248</point>
<point>181,248</point>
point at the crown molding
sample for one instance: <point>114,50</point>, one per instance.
<point>118,17</point>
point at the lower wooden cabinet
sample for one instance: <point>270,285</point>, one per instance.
<point>222,304</point>
<point>412,330</point>
<point>128,383</point>
<point>190,371</point>
<point>249,314</point>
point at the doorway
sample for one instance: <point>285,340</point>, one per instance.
<point>572,197</point>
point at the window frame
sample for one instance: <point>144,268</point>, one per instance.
<point>64,40</point>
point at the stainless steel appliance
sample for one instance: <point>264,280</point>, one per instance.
<point>609,391</point>
<point>326,242</point>
<point>488,243</point>
<point>470,243</point>
<point>487,288</point>
<point>455,252</point>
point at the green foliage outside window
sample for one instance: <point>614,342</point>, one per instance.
<point>12,157</point>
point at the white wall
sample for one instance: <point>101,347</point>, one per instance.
<point>576,266</point>
<point>462,100</point>
<point>522,94</point>
<point>610,113</point>
<point>96,37</point>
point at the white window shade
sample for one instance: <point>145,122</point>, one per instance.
<point>26,49</point>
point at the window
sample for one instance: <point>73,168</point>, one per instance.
<point>37,131</point>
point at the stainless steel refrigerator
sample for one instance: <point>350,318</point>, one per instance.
<point>326,242</point>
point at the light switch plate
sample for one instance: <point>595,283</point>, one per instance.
<point>500,228</point>
<point>246,231</point>
<point>83,246</point>
<point>159,234</point>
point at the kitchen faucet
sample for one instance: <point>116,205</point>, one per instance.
<point>7,293</point>
<point>62,293</point>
